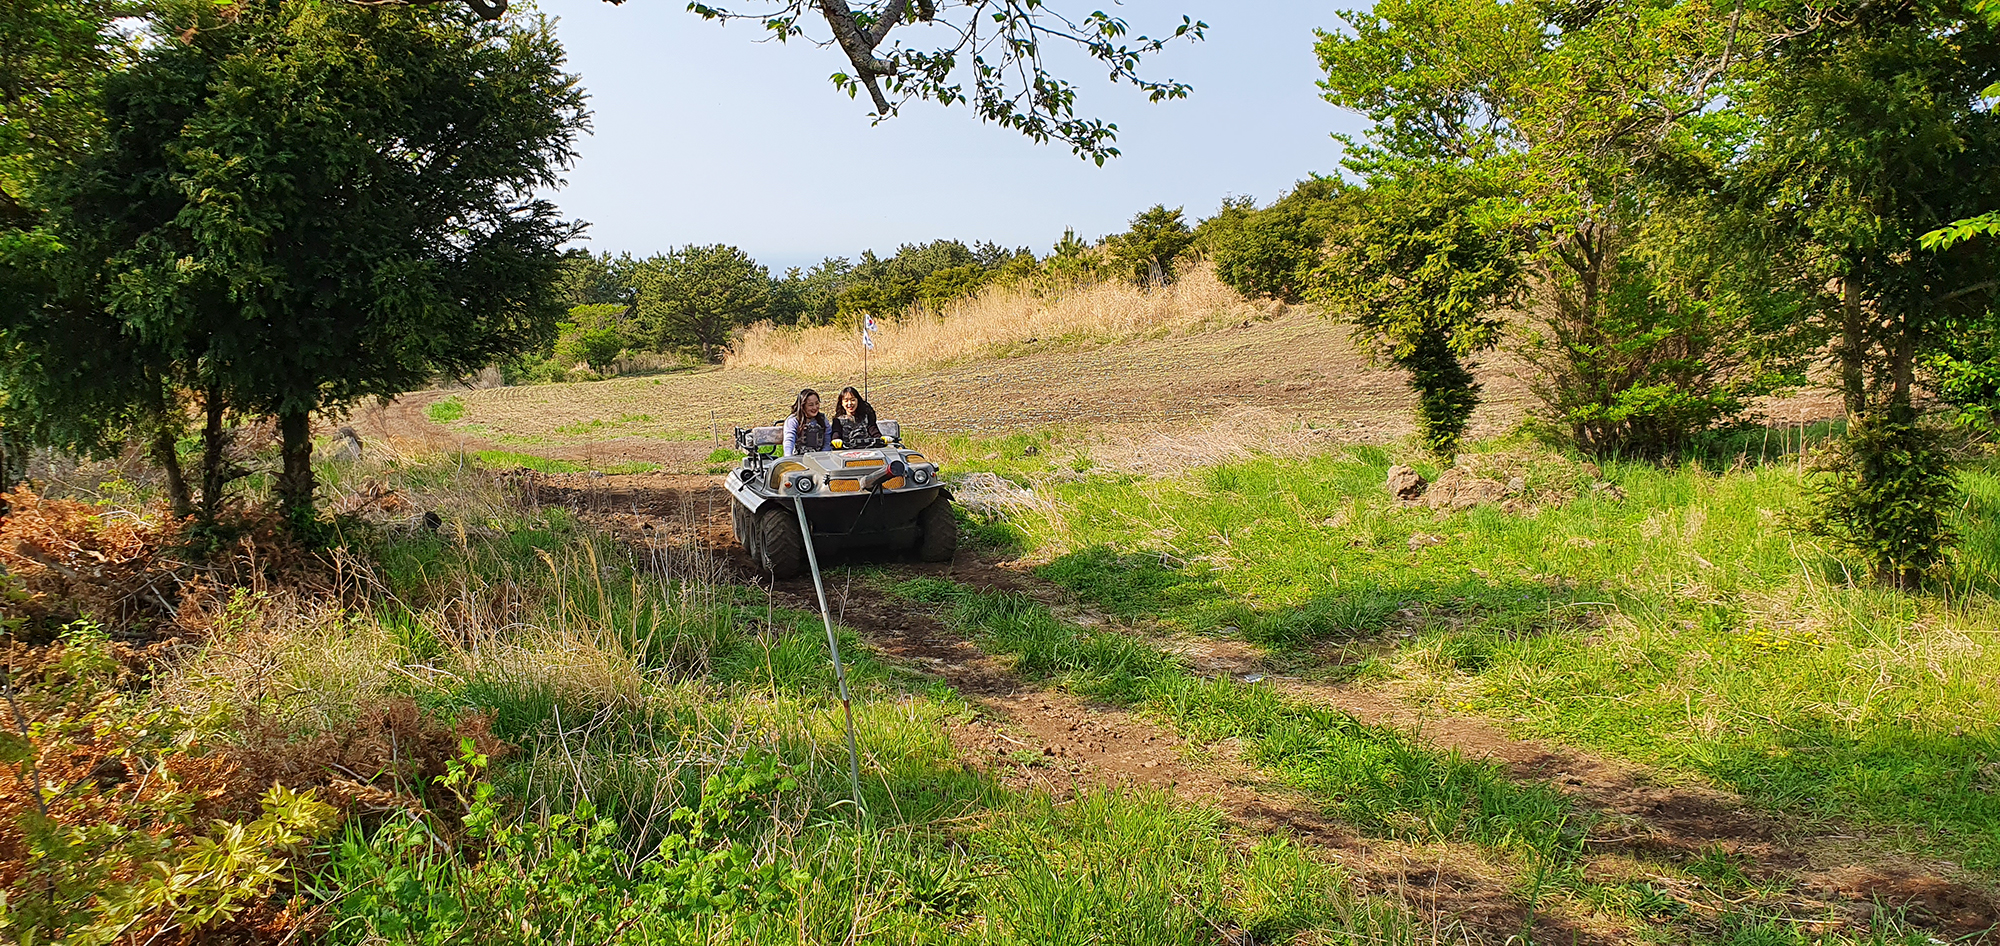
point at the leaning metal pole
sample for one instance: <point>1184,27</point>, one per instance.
<point>833,647</point>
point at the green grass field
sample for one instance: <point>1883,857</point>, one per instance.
<point>1686,625</point>
<point>668,762</point>
<point>679,773</point>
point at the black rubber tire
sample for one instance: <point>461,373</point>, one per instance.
<point>740,520</point>
<point>782,547</point>
<point>937,531</point>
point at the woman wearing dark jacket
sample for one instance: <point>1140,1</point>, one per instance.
<point>807,430</point>
<point>854,419</point>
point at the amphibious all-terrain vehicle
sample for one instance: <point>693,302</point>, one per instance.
<point>876,495</point>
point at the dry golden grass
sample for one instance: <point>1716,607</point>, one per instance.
<point>998,320</point>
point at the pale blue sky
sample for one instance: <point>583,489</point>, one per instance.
<point>704,135</point>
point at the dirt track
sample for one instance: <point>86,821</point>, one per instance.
<point>1039,737</point>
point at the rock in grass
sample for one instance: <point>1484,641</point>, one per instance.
<point>347,445</point>
<point>1457,489</point>
<point>1405,483</point>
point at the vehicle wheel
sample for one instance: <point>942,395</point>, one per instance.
<point>741,521</point>
<point>937,532</point>
<point>782,548</point>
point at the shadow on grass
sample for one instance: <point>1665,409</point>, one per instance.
<point>1762,444</point>
<point>1944,784</point>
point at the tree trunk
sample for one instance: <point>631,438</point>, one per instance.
<point>295,484</point>
<point>166,453</point>
<point>7,461</point>
<point>165,447</point>
<point>1853,341</point>
<point>213,476</point>
<point>1903,371</point>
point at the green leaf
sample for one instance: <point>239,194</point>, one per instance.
<point>15,748</point>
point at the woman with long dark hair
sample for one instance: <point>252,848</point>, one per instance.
<point>854,419</point>
<point>806,430</point>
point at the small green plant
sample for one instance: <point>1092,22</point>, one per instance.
<point>446,411</point>
<point>565,878</point>
<point>507,459</point>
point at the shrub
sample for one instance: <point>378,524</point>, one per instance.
<point>1271,253</point>
<point>946,286</point>
<point>597,347</point>
<point>1421,274</point>
<point>1073,260</point>
<point>1147,250</point>
<point>114,821</point>
<point>1446,393</point>
<point>1644,341</point>
<point>1967,376</point>
<point>1885,492</point>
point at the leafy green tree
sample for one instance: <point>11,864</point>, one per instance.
<point>1870,132</point>
<point>1236,209</point>
<point>1018,267</point>
<point>309,204</point>
<point>1072,259</point>
<point>887,287</point>
<point>595,280</point>
<point>595,335</point>
<point>696,297</point>
<point>1274,252</point>
<point>72,389</point>
<point>1421,277</point>
<point>1689,316</point>
<point>1590,120</point>
<point>1988,223</point>
<point>597,347</point>
<point>1148,248</point>
<point>810,296</point>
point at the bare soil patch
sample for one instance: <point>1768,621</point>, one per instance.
<point>1294,376</point>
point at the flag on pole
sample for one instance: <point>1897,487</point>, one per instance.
<point>867,341</point>
<point>869,327</point>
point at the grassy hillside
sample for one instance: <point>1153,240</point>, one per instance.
<point>1004,321</point>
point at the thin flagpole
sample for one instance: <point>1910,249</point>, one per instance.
<point>833,647</point>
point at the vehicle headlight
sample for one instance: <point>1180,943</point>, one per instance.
<point>920,476</point>
<point>804,483</point>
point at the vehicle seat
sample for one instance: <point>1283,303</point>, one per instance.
<point>765,440</point>
<point>889,429</point>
